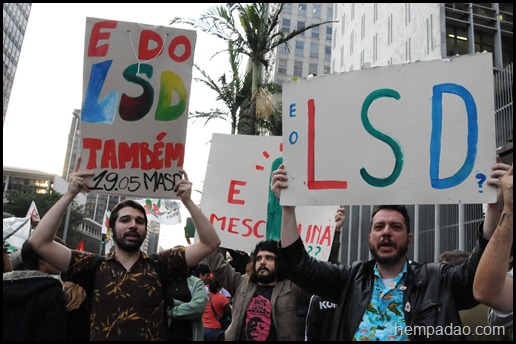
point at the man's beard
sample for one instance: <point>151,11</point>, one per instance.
<point>130,246</point>
<point>401,252</point>
<point>266,279</point>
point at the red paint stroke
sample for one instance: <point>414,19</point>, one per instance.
<point>312,183</point>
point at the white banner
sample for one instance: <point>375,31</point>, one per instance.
<point>16,230</point>
<point>105,222</point>
<point>163,211</point>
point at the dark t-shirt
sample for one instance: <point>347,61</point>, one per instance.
<point>259,325</point>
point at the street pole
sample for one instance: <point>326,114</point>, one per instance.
<point>67,220</point>
<point>76,114</point>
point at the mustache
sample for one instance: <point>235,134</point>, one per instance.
<point>386,242</point>
<point>263,268</point>
<point>132,234</point>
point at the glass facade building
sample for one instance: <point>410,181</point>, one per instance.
<point>16,16</point>
<point>382,34</point>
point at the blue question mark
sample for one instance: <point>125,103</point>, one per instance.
<point>481,179</point>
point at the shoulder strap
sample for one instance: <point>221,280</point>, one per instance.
<point>213,309</point>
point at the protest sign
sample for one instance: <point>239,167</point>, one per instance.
<point>134,116</point>
<point>418,133</point>
<point>239,203</point>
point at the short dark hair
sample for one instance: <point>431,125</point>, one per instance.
<point>202,269</point>
<point>399,208</point>
<point>29,257</point>
<point>127,203</point>
<point>454,257</point>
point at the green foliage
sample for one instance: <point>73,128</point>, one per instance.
<point>18,204</point>
<point>251,30</point>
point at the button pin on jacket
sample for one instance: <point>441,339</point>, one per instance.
<point>408,308</point>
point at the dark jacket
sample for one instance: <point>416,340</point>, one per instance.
<point>34,306</point>
<point>318,319</point>
<point>435,292</point>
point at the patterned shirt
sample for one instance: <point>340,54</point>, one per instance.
<point>384,318</point>
<point>126,305</point>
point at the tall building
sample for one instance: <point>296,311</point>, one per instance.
<point>381,34</point>
<point>307,53</point>
<point>16,16</point>
<point>96,204</point>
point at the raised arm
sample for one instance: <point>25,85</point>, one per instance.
<point>42,239</point>
<point>289,233</point>
<point>209,240</point>
<point>340,216</point>
<point>491,286</point>
<point>494,210</point>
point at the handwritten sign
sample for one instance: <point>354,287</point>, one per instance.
<point>419,133</point>
<point>239,203</point>
<point>134,115</point>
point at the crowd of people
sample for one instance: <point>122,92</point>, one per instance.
<point>195,293</point>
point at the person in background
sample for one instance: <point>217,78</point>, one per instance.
<point>78,310</point>
<point>126,286</point>
<point>239,260</point>
<point>34,303</point>
<point>453,257</point>
<point>493,284</point>
<point>382,299</point>
<point>189,299</point>
<point>475,317</point>
<point>263,292</point>
<point>218,303</point>
<point>8,266</point>
<point>321,311</point>
<point>204,273</point>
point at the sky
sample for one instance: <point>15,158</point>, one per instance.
<point>49,80</point>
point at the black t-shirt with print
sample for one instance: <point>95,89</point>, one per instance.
<point>259,325</point>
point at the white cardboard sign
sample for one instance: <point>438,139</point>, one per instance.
<point>134,115</point>
<point>419,133</point>
<point>239,203</point>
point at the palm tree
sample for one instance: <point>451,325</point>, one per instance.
<point>256,34</point>
<point>232,93</point>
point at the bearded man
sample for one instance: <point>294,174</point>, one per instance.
<point>389,297</point>
<point>264,301</point>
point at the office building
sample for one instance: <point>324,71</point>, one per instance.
<point>381,34</point>
<point>16,17</point>
<point>309,52</point>
<point>27,181</point>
